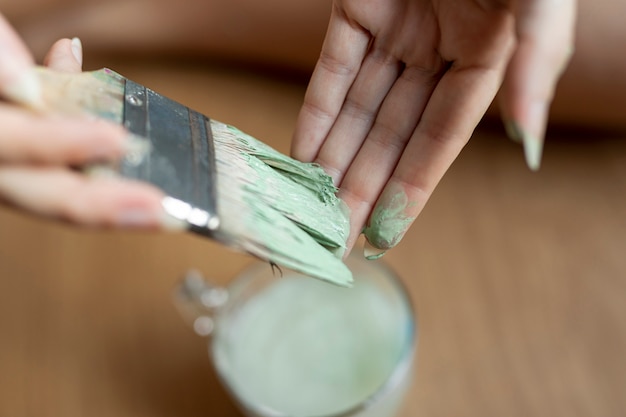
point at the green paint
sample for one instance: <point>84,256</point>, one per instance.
<point>302,192</point>
<point>389,222</point>
<point>279,209</point>
<point>297,341</point>
<point>308,175</point>
<point>376,256</point>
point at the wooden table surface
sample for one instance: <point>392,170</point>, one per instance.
<point>519,280</point>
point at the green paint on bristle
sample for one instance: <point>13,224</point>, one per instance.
<point>291,217</point>
<point>309,175</point>
<point>302,192</point>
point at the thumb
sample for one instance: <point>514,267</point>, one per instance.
<point>545,32</point>
<point>65,55</point>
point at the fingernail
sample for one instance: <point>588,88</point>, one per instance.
<point>566,59</point>
<point>77,50</point>
<point>533,134</point>
<point>513,131</point>
<point>171,223</point>
<point>135,217</point>
<point>533,149</point>
<point>24,89</point>
<point>372,253</point>
<point>100,171</point>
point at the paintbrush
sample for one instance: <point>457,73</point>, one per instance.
<point>222,183</point>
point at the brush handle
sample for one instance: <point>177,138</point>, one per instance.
<point>181,160</point>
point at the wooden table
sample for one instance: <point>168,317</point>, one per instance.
<point>519,280</point>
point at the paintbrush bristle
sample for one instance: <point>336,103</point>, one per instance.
<point>279,209</point>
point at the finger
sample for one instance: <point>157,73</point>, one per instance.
<point>373,82</point>
<point>17,82</point>
<point>342,53</point>
<point>545,31</point>
<point>102,202</point>
<point>396,121</point>
<point>31,138</point>
<point>453,111</point>
<point>65,55</point>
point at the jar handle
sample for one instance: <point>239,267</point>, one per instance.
<point>198,302</point>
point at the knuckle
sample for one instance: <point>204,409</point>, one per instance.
<point>336,66</point>
<point>359,198</point>
<point>358,109</point>
<point>389,138</point>
<point>318,111</point>
<point>423,75</point>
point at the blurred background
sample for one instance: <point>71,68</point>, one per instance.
<point>519,278</point>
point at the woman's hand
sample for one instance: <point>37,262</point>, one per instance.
<point>37,151</point>
<point>401,84</point>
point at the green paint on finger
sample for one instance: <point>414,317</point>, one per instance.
<point>389,220</point>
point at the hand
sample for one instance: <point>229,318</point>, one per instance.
<point>37,151</point>
<point>400,86</point>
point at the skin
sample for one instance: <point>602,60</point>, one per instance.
<point>378,98</point>
<point>37,152</point>
<point>520,54</point>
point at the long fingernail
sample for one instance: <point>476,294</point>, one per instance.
<point>25,89</point>
<point>371,252</point>
<point>513,131</point>
<point>171,223</point>
<point>566,59</point>
<point>533,149</point>
<point>533,134</point>
<point>136,217</point>
<point>77,50</point>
